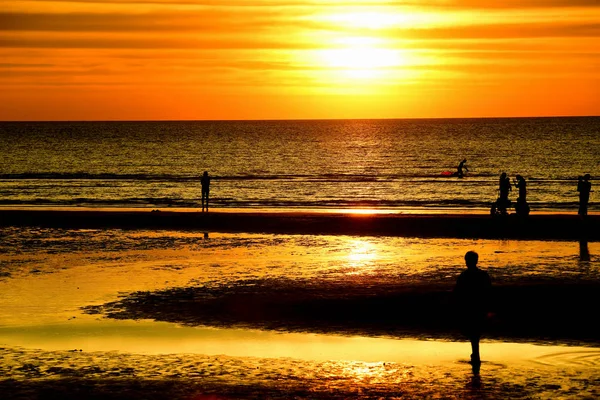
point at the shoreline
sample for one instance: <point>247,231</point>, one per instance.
<point>550,226</point>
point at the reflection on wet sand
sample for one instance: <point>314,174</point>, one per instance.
<point>584,251</point>
<point>147,337</point>
<point>412,369</point>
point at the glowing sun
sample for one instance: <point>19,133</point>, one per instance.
<point>361,57</point>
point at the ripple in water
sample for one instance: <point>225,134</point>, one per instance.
<point>587,358</point>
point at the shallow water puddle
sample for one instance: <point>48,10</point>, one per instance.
<point>148,337</point>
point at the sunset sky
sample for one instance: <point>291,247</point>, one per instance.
<point>287,59</point>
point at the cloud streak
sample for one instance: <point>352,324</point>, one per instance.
<point>470,4</point>
<point>124,35</point>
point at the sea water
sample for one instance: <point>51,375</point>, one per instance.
<point>309,164</point>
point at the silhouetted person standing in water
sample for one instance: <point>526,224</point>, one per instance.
<point>505,188</point>
<point>472,295</point>
<point>522,207</point>
<point>205,182</point>
<point>584,187</point>
<point>459,169</point>
<point>522,186</point>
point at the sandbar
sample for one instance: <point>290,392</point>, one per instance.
<point>455,225</point>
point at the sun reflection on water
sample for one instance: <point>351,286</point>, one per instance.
<point>374,372</point>
<point>363,370</point>
<point>362,255</point>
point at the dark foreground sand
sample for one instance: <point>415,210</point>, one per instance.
<point>81,375</point>
<point>534,311</point>
<point>480,226</point>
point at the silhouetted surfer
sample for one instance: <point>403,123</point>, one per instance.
<point>584,187</point>
<point>461,166</point>
<point>472,294</point>
<point>205,182</point>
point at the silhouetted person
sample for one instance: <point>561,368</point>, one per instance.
<point>505,187</point>
<point>472,295</point>
<point>205,182</point>
<point>522,186</point>
<point>459,169</point>
<point>584,187</point>
<point>522,207</point>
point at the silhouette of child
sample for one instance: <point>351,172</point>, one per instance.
<point>472,295</point>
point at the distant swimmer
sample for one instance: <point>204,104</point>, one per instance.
<point>472,294</point>
<point>205,182</point>
<point>461,166</point>
<point>584,187</point>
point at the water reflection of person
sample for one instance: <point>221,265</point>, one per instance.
<point>472,295</point>
<point>475,383</point>
<point>584,251</point>
<point>205,182</point>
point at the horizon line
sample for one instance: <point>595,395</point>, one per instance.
<point>305,119</point>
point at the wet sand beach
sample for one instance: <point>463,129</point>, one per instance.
<point>549,226</point>
<point>91,307</point>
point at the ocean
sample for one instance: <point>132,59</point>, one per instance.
<point>308,164</point>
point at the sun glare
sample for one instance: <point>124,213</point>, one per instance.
<point>371,20</point>
<point>360,48</point>
<point>361,57</point>
<point>361,252</point>
<point>382,19</point>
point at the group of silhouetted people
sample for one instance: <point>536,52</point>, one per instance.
<point>472,292</point>
<point>505,187</point>
<point>584,187</point>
